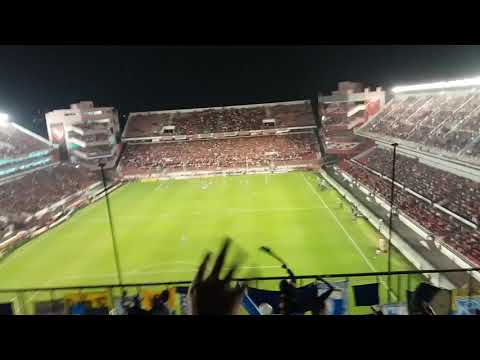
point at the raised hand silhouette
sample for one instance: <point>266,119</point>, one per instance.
<point>214,296</point>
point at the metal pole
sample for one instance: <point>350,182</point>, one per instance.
<point>112,231</point>
<point>390,220</point>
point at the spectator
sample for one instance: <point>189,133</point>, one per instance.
<point>160,304</point>
<point>211,295</point>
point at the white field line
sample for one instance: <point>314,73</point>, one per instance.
<point>45,284</point>
<point>362,254</point>
<point>137,272</point>
<point>230,211</point>
<point>194,270</point>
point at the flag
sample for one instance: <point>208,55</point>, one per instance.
<point>467,305</point>
<point>336,304</point>
<point>394,309</point>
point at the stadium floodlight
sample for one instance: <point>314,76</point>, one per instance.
<point>438,85</point>
<point>3,119</point>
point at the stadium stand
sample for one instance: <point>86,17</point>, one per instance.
<point>15,142</point>
<point>458,194</point>
<point>22,151</point>
<point>342,112</point>
<point>448,121</point>
<point>39,189</point>
<point>219,120</point>
<point>460,237</point>
<point>219,153</point>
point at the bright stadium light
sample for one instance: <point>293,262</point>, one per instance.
<point>3,119</point>
<point>438,85</point>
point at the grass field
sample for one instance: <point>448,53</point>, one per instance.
<point>163,229</point>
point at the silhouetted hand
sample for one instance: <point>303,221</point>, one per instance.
<point>214,296</point>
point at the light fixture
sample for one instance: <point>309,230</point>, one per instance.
<point>438,85</point>
<point>3,119</point>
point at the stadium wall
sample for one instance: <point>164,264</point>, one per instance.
<point>406,250</point>
<point>214,136</point>
<point>208,173</point>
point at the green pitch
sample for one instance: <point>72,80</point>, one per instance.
<point>163,229</point>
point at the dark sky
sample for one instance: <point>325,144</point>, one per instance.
<point>134,78</point>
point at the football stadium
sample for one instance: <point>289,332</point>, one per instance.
<point>365,200</point>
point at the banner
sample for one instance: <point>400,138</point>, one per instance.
<point>467,305</point>
<point>6,309</point>
<point>394,309</point>
<point>249,306</point>
<point>55,307</point>
<point>177,303</point>
<point>336,304</point>
<point>87,303</point>
<point>182,304</point>
<point>147,298</point>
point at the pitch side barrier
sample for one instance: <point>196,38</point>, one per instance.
<point>231,172</point>
<point>59,300</point>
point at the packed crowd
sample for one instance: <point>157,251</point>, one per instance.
<point>39,189</point>
<point>456,193</point>
<point>336,113</point>
<point>220,120</point>
<point>97,150</point>
<point>221,153</point>
<point>14,143</point>
<point>91,138</point>
<point>448,120</point>
<point>445,228</point>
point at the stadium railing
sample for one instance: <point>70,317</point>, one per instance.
<point>53,300</point>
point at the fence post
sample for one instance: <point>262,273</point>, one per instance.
<point>52,297</point>
<point>21,303</point>
<point>112,300</point>
<point>399,286</point>
<point>469,285</point>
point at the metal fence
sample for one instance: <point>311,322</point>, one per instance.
<point>52,300</point>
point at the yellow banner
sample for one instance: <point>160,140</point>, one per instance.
<point>96,300</point>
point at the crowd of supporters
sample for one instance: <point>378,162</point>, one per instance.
<point>92,138</point>
<point>336,113</point>
<point>39,189</point>
<point>456,193</point>
<point>220,120</point>
<point>220,153</point>
<point>461,237</point>
<point>448,120</point>
<point>14,142</point>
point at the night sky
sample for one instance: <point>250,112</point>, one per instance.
<point>36,79</point>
